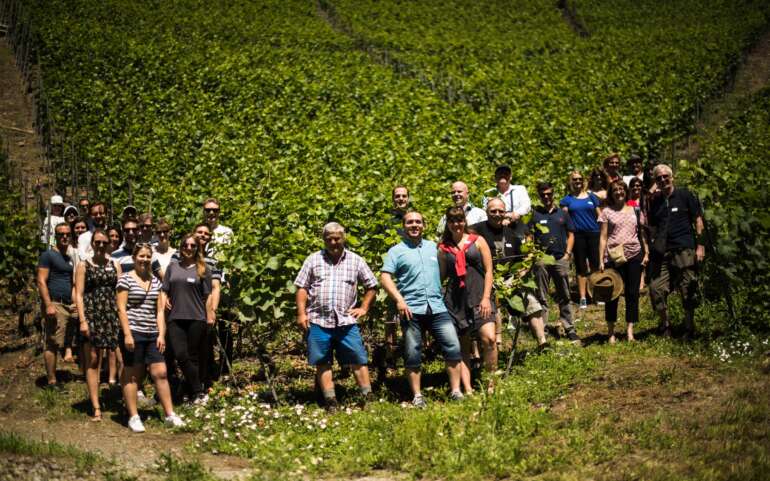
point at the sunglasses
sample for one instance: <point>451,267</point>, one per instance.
<point>62,234</point>
<point>211,210</point>
<point>100,243</point>
<point>190,245</point>
<point>134,229</point>
<point>662,177</point>
<point>546,194</point>
<point>161,232</point>
<point>577,179</point>
<point>497,211</point>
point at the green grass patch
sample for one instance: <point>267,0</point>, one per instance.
<point>175,469</point>
<point>12,443</point>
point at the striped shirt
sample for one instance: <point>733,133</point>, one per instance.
<point>123,257</point>
<point>332,287</point>
<point>141,308</point>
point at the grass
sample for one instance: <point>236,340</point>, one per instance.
<point>175,469</point>
<point>11,443</point>
<point>656,409</point>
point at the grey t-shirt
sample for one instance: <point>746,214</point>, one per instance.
<point>187,292</point>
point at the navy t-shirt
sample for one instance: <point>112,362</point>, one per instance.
<point>503,242</point>
<point>60,268</point>
<point>558,223</point>
<point>678,212</point>
<point>582,212</point>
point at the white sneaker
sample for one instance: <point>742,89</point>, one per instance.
<point>174,421</point>
<point>135,424</point>
<point>202,399</point>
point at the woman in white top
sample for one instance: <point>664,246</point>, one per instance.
<point>163,253</point>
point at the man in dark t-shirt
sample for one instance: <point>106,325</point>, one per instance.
<point>54,281</point>
<point>676,219</point>
<point>557,240</point>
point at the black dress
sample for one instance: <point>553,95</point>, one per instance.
<point>99,304</point>
<point>463,302</point>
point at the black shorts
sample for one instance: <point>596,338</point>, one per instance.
<point>586,248</point>
<point>145,350</point>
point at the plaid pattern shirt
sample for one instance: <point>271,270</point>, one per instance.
<point>332,287</point>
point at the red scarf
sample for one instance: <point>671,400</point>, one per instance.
<point>459,253</point>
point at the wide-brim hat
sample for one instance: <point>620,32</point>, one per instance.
<point>57,200</point>
<point>605,286</point>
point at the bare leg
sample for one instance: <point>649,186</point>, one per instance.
<point>453,371</point>
<point>466,348</point>
<point>324,376</point>
<point>630,331</point>
<point>582,283</point>
<point>361,373</point>
<point>160,378</point>
<point>538,328</point>
<point>488,336</point>
<point>413,376</point>
<point>91,360</point>
<point>49,357</point>
<point>132,376</point>
<point>611,332</point>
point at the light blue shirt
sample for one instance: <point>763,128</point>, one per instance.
<point>415,270</point>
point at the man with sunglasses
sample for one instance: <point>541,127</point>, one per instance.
<point>676,219</point>
<point>130,236</point>
<point>54,281</point>
<point>147,230</point>
<point>553,230</point>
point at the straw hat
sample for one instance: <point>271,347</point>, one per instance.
<point>605,286</point>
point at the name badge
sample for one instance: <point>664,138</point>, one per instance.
<point>508,244</point>
<point>675,209</point>
<point>191,280</point>
<point>590,202</point>
<point>434,258</point>
<point>544,221</point>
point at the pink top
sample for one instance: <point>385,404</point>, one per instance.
<point>621,229</point>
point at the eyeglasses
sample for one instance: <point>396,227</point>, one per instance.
<point>496,211</point>
<point>211,210</point>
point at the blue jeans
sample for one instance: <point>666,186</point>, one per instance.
<point>442,328</point>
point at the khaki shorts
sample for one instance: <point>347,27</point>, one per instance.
<point>55,328</point>
<point>532,306</point>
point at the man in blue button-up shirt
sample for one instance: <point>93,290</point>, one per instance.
<point>416,291</point>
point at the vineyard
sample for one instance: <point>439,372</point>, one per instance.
<point>294,113</point>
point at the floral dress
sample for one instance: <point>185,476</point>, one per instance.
<point>99,303</point>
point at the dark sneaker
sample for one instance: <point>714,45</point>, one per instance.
<point>573,337</point>
<point>544,347</point>
<point>364,399</point>
<point>331,405</point>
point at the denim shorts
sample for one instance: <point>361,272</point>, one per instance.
<point>344,340</point>
<point>443,330</point>
<point>145,350</point>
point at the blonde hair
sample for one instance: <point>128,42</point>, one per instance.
<point>569,182</point>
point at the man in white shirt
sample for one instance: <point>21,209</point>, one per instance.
<point>99,217</point>
<point>515,197</point>
<point>473,215</point>
<point>54,217</point>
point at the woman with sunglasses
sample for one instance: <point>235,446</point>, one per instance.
<point>187,288</point>
<point>95,282</point>
<point>161,256</point>
<point>635,193</point>
<point>140,309</point>
<point>583,208</point>
<point>465,259</point>
<point>623,247</point>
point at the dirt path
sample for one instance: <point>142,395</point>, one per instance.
<point>17,127</point>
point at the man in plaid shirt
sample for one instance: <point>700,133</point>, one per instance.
<point>327,313</point>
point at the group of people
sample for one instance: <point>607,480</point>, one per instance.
<point>132,296</point>
<point>610,224</point>
<point>149,307</point>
